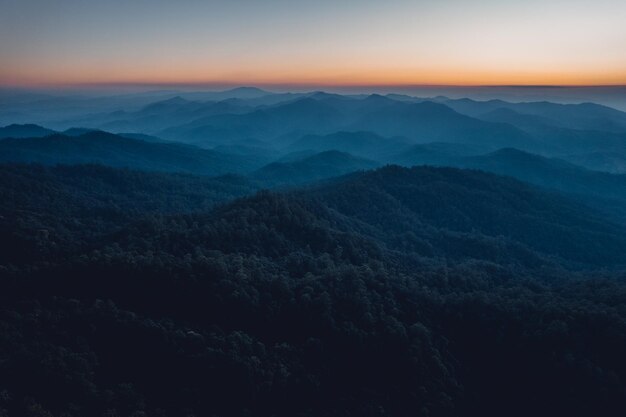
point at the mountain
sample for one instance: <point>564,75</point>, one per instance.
<point>432,122</point>
<point>24,131</point>
<point>240,93</point>
<point>77,131</point>
<point>164,114</point>
<point>80,202</point>
<point>436,153</point>
<point>326,114</point>
<point>551,173</point>
<point>608,160</point>
<point>170,105</point>
<point>141,136</point>
<point>604,191</point>
<point>302,115</point>
<point>491,285</point>
<point>312,168</point>
<point>404,205</point>
<point>113,150</point>
<point>594,149</point>
<point>423,291</point>
<point>363,144</point>
<point>527,122</point>
<point>584,116</point>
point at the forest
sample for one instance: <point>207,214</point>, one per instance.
<point>295,208</point>
<point>399,291</point>
<point>311,254</point>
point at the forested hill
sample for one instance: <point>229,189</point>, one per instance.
<point>47,210</point>
<point>393,292</point>
<point>450,211</point>
<point>97,147</point>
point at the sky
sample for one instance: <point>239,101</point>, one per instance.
<point>322,42</point>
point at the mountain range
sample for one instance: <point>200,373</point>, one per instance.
<point>245,253</point>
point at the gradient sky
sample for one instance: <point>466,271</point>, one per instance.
<point>323,42</point>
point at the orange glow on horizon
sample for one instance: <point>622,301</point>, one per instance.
<point>326,43</point>
<point>322,77</point>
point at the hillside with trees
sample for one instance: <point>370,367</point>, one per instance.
<point>423,291</point>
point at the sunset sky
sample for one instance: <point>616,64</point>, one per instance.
<point>323,42</point>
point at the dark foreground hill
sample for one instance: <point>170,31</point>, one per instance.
<point>46,211</point>
<point>397,292</point>
<point>117,151</point>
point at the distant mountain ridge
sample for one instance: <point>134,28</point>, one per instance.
<point>585,116</point>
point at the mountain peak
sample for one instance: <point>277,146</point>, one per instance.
<point>377,97</point>
<point>24,131</point>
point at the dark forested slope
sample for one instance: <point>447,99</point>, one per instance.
<point>344,299</point>
<point>56,209</point>
<point>114,150</point>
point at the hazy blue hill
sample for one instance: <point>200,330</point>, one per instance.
<point>304,115</point>
<point>24,131</point>
<point>312,168</point>
<point>587,116</point>
<point>403,97</point>
<point>142,136</point>
<point>352,108</point>
<point>316,113</point>
<point>322,113</point>
<point>611,160</point>
<point>602,190</point>
<point>593,149</point>
<point>528,122</point>
<point>364,144</point>
<point>77,131</point>
<point>221,129</point>
<point>171,105</point>
<point>436,153</point>
<point>433,122</point>
<point>296,155</point>
<point>473,108</point>
<point>451,211</point>
<point>579,145</point>
<point>322,95</point>
<point>113,150</point>
<point>250,147</point>
<point>266,100</point>
<point>163,114</point>
<point>239,92</point>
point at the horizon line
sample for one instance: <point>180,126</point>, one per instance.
<point>261,85</point>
